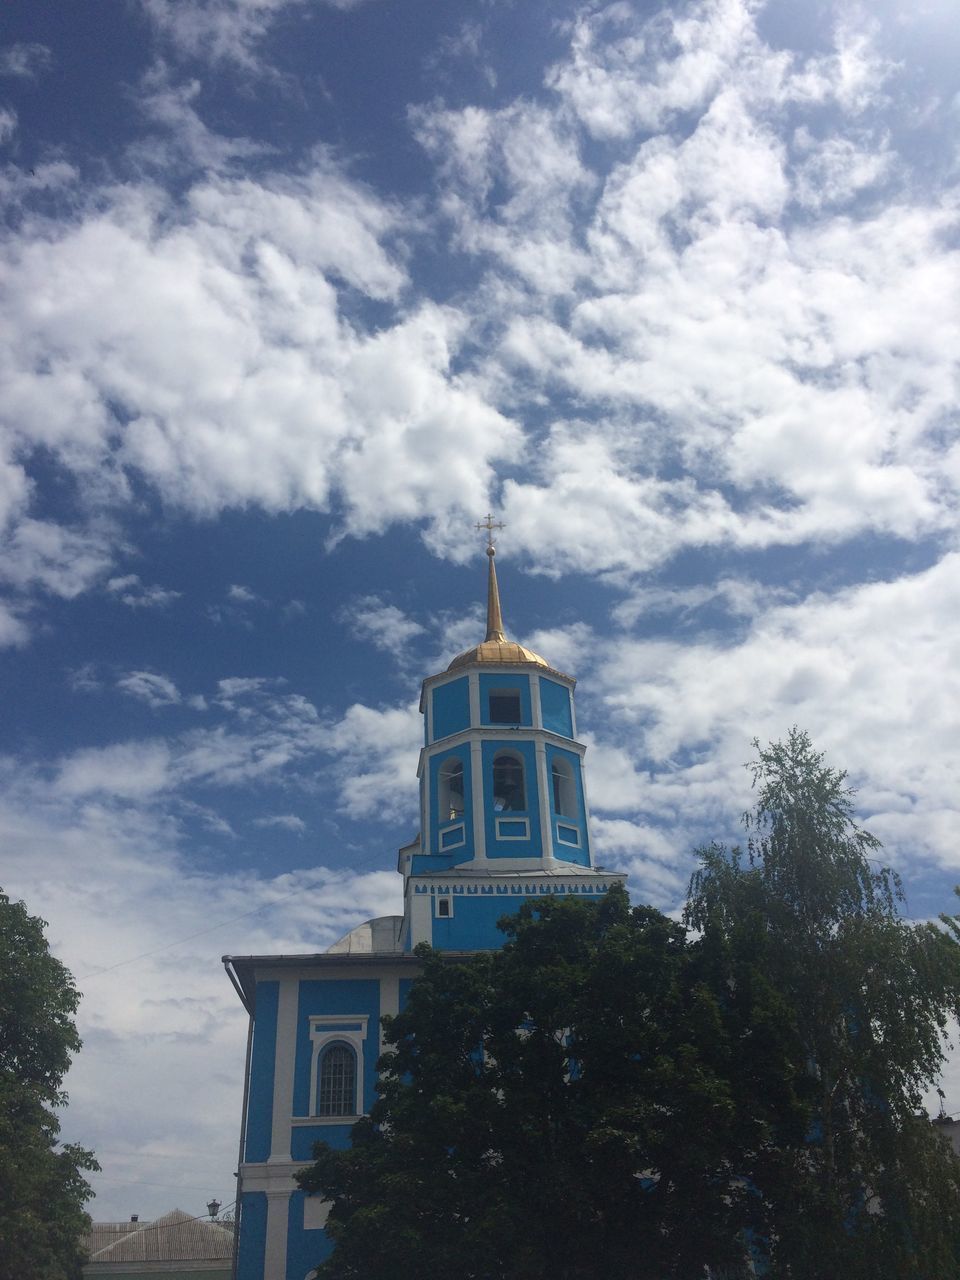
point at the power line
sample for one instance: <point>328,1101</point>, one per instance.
<point>167,946</point>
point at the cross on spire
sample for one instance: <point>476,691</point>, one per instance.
<point>490,524</point>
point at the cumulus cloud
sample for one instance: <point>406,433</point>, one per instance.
<point>869,671</point>
<point>384,625</point>
<point>202,346</point>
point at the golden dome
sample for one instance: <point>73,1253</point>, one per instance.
<point>493,651</point>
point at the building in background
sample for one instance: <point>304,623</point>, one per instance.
<point>504,819</point>
<point>176,1246</point>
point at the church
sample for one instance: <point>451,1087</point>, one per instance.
<point>503,819</point>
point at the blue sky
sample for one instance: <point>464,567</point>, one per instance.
<point>293,293</point>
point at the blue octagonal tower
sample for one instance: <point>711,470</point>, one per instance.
<point>504,820</point>
<point>503,805</point>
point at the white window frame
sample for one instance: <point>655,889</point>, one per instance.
<point>350,1030</point>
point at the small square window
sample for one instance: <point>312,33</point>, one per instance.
<point>505,707</point>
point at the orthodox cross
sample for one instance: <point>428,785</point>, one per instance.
<point>490,524</point>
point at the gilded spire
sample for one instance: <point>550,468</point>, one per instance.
<point>494,616</point>
<point>496,649</point>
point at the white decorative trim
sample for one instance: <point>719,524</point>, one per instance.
<point>476,791</point>
<point>284,1067</point>
<point>543,782</point>
<point>325,1028</point>
<point>568,826</point>
<point>524,821</point>
<point>536,711</point>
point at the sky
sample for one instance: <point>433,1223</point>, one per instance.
<point>293,293</point>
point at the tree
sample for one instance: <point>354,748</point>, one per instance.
<point>870,1190</point>
<point>42,1190</point>
<point>617,1093</point>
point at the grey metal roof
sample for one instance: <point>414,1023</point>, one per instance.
<point>176,1237</point>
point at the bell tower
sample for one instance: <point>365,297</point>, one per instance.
<point>503,804</point>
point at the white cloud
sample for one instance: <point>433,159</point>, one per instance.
<point>13,629</point>
<point>138,595</point>
<point>384,625</point>
<point>285,821</point>
<point>150,687</point>
<point>114,887</point>
<point>870,672</point>
<point>25,60</point>
<point>376,758</point>
<point>215,327</point>
<point>56,558</point>
<point>8,124</point>
<point>224,30</point>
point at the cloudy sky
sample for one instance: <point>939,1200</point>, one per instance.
<point>294,292</point>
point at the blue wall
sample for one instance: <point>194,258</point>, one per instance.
<point>465,851</point>
<point>533,847</point>
<point>262,1062</point>
<point>451,708</point>
<point>555,707</point>
<point>305,1135</point>
<point>473,926</point>
<point>305,1249</point>
<point>352,998</point>
<point>253,1235</point>
<point>505,684</point>
<point>567,852</point>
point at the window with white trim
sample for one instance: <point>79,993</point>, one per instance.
<point>337,1081</point>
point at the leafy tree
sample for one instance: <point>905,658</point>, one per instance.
<point>871,1190</point>
<point>42,1190</point>
<point>616,1093</point>
<point>571,1100</point>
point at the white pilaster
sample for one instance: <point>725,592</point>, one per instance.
<point>536,711</point>
<point>543,782</point>
<point>476,794</point>
<point>275,1252</point>
<point>284,1063</point>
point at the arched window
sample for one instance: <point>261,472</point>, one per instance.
<point>337,1082</point>
<point>509,792</point>
<point>564,788</point>
<point>451,789</point>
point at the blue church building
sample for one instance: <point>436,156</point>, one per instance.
<point>503,819</point>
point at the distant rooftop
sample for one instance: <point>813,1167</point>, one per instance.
<point>176,1237</point>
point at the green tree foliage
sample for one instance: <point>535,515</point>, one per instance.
<point>42,1190</point>
<point>872,1190</point>
<point>615,1093</point>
